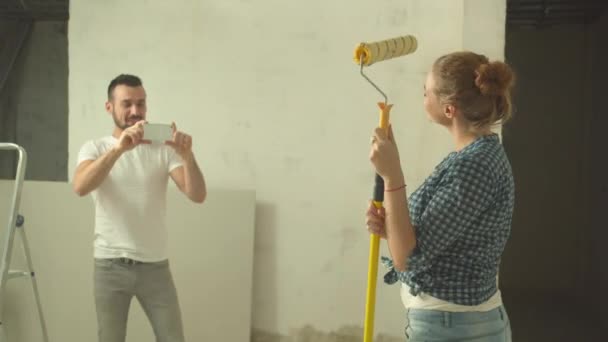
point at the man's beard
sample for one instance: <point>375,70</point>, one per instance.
<point>126,124</point>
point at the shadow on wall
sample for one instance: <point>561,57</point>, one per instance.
<point>265,263</point>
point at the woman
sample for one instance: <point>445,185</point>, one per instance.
<point>446,241</point>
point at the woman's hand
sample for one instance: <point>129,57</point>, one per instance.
<point>384,155</point>
<point>375,220</point>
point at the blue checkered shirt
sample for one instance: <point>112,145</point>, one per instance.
<point>462,219</point>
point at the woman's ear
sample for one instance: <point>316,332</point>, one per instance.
<point>449,111</point>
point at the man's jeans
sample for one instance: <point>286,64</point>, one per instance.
<point>117,281</point>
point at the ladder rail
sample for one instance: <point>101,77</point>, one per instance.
<point>14,213</point>
<point>16,225</point>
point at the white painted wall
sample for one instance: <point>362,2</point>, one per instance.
<point>275,103</point>
<point>211,255</point>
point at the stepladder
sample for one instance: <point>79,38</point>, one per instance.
<point>14,230</point>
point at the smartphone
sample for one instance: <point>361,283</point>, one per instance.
<point>157,132</point>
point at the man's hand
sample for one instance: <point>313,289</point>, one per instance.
<point>181,142</point>
<point>189,178</point>
<point>131,137</point>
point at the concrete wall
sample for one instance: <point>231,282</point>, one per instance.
<point>8,113</point>
<point>555,143</point>
<point>598,184</point>
<point>275,103</point>
<point>34,103</point>
<point>545,142</point>
<point>564,192</point>
<point>553,267</point>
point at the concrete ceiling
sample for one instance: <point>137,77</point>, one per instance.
<point>38,10</point>
<point>549,13</point>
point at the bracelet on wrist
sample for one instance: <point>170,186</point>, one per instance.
<point>395,189</point>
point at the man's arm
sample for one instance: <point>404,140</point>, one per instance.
<point>189,179</point>
<point>91,173</point>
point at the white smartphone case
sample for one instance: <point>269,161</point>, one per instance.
<point>157,132</point>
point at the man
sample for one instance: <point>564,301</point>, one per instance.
<point>128,178</point>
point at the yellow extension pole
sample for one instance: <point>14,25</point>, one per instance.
<point>374,243</point>
<point>367,54</point>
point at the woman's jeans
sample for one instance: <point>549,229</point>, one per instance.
<point>430,325</point>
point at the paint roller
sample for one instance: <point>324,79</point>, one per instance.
<point>367,54</point>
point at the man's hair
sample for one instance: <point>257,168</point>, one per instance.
<point>124,79</point>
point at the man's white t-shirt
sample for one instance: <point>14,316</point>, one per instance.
<point>130,204</point>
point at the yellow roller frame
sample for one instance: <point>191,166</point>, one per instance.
<point>363,57</point>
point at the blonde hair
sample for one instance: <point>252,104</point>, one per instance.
<point>480,89</point>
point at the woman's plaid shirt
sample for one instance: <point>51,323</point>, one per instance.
<point>462,219</point>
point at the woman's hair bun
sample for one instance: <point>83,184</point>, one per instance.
<point>494,78</point>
